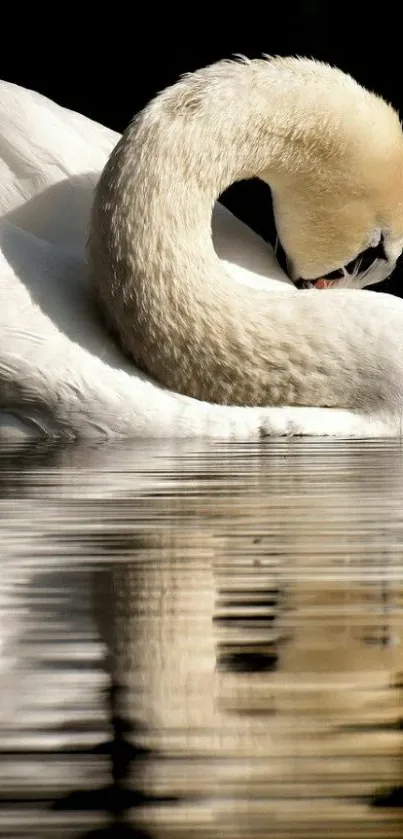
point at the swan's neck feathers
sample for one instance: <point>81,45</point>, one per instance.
<point>160,284</point>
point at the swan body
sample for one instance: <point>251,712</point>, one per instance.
<point>61,373</point>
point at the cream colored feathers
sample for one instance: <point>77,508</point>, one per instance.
<point>333,155</point>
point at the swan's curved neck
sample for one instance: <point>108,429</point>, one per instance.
<point>154,268</point>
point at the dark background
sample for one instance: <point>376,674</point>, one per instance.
<point>107,61</point>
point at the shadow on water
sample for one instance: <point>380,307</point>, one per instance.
<point>201,641</point>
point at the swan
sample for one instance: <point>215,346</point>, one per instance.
<point>67,338</point>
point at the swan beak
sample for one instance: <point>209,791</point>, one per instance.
<point>323,283</point>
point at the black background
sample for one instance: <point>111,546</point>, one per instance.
<point>107,61</point>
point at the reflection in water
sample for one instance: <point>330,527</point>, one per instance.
<point>202,642</point>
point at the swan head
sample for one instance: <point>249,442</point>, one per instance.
<point>338,198</point>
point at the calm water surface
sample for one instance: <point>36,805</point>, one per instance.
<point>202,641</point>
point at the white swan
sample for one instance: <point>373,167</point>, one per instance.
<point>60,372</point>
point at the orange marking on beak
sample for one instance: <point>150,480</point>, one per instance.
<point>324,283</point>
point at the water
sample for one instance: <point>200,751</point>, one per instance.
<point>202,641</point>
